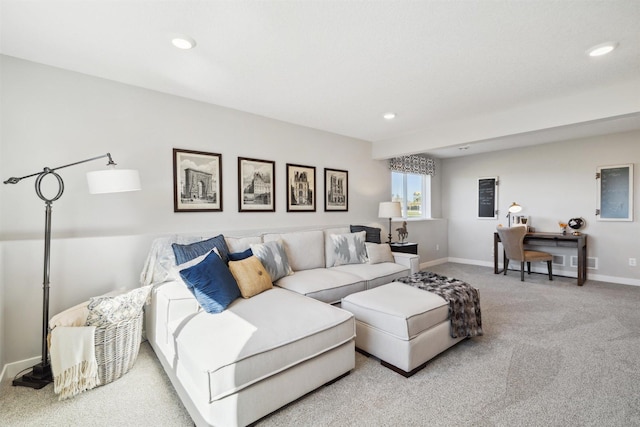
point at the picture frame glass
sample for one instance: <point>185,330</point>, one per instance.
<point>256,185</point>
<point>197,181</point>
<point>336,190</point>
<point>301,188</point>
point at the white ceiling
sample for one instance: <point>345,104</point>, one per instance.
<point>339,65</point>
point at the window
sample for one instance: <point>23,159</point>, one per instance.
<point>413,191</point>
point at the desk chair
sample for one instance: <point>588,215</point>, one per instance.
<point>512,240</point>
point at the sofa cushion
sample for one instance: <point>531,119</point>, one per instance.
<point>324,284</point>
<point>257,338</point>
<point>378,252</point>
<point>251,276</point>
<point>305,249</point>
<point>398,309</point>
<point>239,244</point>
<point>184,253</point>
<point>349,248</point>
<point>375,275</point>
<point>212,283</point>
<point>274,258</point>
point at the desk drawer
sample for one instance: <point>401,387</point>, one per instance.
<point>551,243</point>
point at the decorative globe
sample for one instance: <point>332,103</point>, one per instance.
<point>576,223</point>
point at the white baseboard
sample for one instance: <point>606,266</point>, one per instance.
<point>613,279</point>
<point>432,263</point>
<point>10,370</point>
<point>543,270</point>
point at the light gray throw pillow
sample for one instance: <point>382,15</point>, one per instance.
<point>349,248</point>
<point>274,258</point>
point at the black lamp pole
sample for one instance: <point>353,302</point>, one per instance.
<point>41,374</point>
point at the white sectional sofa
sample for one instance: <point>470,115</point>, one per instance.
<point>234,367</point>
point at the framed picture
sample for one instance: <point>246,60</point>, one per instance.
<point>615,193</point>
<point>336,190</point>
<point>197,181</point>
<point>301,188</point>
<point>256,185</point>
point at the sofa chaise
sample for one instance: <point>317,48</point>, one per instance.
<point>260,353</point>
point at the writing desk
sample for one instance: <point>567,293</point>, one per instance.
<point>551,239</point>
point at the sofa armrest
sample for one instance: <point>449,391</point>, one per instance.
<point>410,261</point>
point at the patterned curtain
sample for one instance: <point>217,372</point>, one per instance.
<point>413,164</point>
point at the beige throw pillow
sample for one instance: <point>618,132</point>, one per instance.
<point>379,252</point>
<point>251,276</point>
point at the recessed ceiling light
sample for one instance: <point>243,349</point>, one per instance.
<point>602,49</point>
<point>183,42</point>
<point>389,116</point>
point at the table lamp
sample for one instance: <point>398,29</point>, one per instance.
<point>514,208</point>
<point>389,210</point>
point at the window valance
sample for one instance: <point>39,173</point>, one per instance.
<point>413,164</point>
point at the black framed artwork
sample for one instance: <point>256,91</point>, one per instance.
<point>256,185</point>
<point>336,190</point>
<point>301,188</point>
<point>197,181</point>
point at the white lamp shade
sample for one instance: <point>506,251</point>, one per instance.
<point>113,181</point>
<point>389,210</point>
<point>514,208</point>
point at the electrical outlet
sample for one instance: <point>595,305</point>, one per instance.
<point>437,247</point>
<point>632,262</point>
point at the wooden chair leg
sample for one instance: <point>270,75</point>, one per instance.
<point>522,271</point>
<point>550,268</point>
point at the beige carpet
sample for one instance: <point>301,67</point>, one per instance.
<point>553,354</point>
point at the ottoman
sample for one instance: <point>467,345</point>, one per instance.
<point>401,325</point>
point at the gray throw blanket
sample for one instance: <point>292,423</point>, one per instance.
<point>463,299</point>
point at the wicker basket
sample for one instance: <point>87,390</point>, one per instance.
<point>117,348</point>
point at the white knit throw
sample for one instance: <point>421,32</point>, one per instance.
<point>73,360</point>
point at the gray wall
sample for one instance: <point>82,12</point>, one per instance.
<point>52,117</point>
<point>553,182</point>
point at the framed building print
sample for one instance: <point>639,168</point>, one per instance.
<point>336,190</point>
<point>256,185</point>
<point>301,188</point>
<point>197,181</point>
<point>615,193</point>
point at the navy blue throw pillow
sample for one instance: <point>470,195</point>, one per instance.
<point>186,253</point>
<point>211,283</point>
<point>239,256</point>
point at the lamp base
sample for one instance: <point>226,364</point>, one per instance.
<point>39,377</point>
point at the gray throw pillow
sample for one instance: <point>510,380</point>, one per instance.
<point>273,257</point>
<point>349,248</point>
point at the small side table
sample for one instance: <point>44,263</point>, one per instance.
<point>407,248</point>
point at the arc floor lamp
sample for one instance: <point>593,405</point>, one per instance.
<point>110,180</point>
